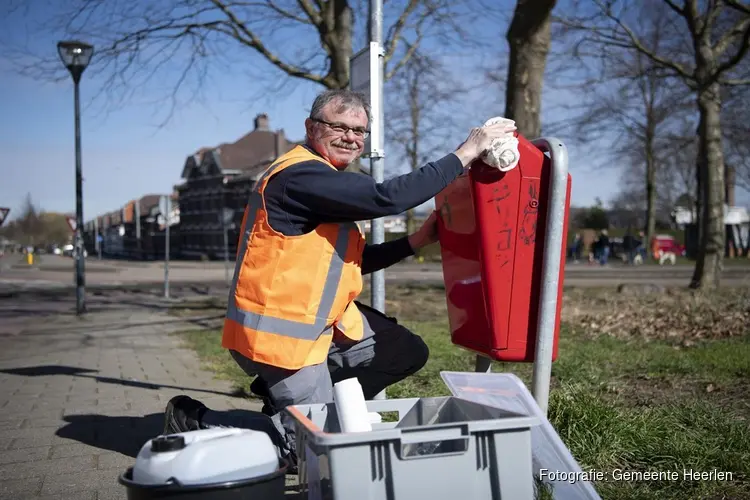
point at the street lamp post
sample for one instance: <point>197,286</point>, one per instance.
<point>76,56</point>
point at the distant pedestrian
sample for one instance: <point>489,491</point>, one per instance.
<point>603,247</point>
<point>628,246</point>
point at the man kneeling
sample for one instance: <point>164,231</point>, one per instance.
<point>292,319</point>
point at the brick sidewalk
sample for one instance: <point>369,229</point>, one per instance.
<point>80,396</point>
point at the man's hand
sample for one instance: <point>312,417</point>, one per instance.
<point>480,139</point>
<point>425,235</point>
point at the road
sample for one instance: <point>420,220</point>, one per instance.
<point>54,272</point>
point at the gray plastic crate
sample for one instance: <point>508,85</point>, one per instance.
<point>443,448</point>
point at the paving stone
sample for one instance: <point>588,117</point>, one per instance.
<point>50,438</point>
<point>69,495</point>
<point>28,487</point>
<point>43,468</point>
<point>117,492</point>
<point>25,455</point>
<point>72,450</point>
<point>79,481</point>
<point>69,433</point>
<point>40,423</point>
<point>114,461</point>
<point>11,423</point>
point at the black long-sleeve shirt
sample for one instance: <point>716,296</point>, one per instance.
<point>311,193</point>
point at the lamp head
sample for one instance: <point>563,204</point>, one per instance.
<point>75,56</point>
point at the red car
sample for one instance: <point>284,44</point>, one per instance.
<point>663,244</point>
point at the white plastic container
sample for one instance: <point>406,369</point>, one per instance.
<point>206,456</point>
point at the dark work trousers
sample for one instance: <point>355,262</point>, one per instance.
<point>386,354</point>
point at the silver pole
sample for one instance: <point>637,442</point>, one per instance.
<point>137,215</point>
<point>553,244</point>
<point>226,251</point>
<point>377,165</point>
<point>97,245</point>
<point>168,205</point>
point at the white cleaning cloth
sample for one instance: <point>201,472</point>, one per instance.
<point>503,153</point>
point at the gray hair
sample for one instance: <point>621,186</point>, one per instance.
<point>346,99</point>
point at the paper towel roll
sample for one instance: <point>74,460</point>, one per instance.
<point>351,407</point>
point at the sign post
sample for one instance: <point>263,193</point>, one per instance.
<point>366,70</point>
<point>97,238</point>
<point>165,208</point>
<point>137,217</point>
<point>227,222</point>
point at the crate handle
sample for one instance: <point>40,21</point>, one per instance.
<point>415,443</point>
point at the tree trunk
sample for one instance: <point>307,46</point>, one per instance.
<point>700,201</point>
<point>650,188</point>
<point>337,40</point>
<point>710,164</point>
<point>529,40</point>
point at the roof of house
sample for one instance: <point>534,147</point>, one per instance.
<point>247,155</point>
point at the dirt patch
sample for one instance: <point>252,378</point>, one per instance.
<point>413,302</point>
<point>645,391</point>
<point>675,315</point>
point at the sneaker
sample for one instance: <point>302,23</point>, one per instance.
<point>183,414</point>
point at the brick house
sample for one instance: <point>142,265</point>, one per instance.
<point>219,177</point>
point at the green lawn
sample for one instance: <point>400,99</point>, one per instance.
<point>637,404</point>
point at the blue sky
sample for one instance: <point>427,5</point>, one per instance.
<point>126,154</point>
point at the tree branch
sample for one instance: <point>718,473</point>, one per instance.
<point>735,4</point>
<point>739,29</point>
<point>675,7</point>
<point>312,14</point>
<point>394,33</point>
<point>411,49</point>
<point>741,51</point>
<point>638,45</point>
<point>288,15</point>
<point>242,34</point>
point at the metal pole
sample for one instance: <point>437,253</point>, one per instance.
<point>377,167</point>
<point>168,204</point>
<point>553,244</point>
<point>226,253</point>
<point>137,216</point>
<point>225,229</point>
<point>97,245</point>
<point>80,276</point>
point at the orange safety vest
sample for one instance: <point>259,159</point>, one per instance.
<point>290,292</point>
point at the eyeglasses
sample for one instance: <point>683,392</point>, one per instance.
<point>343,129</point>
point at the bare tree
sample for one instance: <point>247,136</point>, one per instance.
<point>674,175</point>
<point>529,38</point>
<point>200,39</point>
<point>716,40</point>
<point>736,129</point>
<point>631,99</point>
<point>27,227</point>
<point>420,112</point>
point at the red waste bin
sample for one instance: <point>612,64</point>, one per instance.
<point>492,227</point>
